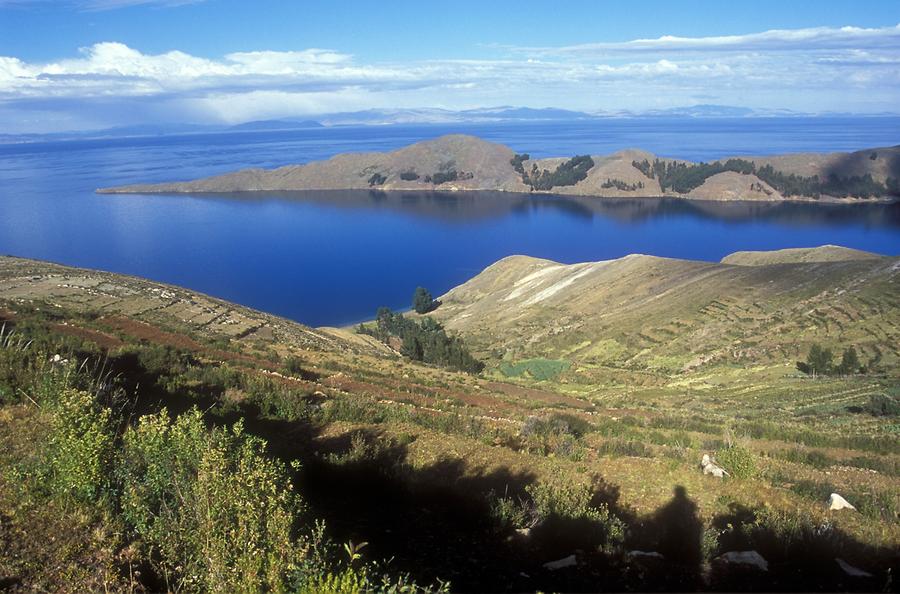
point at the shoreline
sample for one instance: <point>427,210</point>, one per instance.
<point>540,193</point>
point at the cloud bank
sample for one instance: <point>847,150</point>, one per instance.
<point>816,69</point>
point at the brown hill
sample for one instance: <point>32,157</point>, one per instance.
<point>460,162</point>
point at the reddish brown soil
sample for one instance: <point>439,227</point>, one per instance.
<point>101,339</point>
<point>150,333</point>
<point>533,394</point>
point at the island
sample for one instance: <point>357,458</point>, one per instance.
<point>467,163</point>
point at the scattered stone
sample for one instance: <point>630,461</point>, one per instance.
<point>710,467</point>
<point>850,570</point>
<point>751,558</point>
<point>835,501</point>
<point>561,563</point>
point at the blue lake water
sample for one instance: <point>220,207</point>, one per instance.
<point>334,257</point>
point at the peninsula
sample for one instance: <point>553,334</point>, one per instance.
<point>467,163</point>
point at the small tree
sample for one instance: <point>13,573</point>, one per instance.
<point>423,302</point>
<point>849,362</point>
<point>819,359</point>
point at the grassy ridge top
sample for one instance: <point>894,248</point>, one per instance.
<point>825,253</point>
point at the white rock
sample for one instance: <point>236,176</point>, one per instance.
<point>850,570</point>
<point>710,467</point>
<point>751,558</point>
<point>561,563</point>
<point>838,502</point>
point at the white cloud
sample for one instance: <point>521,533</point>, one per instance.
<point>817,38</point>
<point>842,69</point>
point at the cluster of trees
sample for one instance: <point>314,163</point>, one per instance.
<point>854,185</point>
<point>566,174</point>
<point>426,341</point>
<point>820,361</point>
<point>409,175</point>
<point>517,162</point>
<point>682,178</point>
<point>377,179</point>
<point>439,177</point>
<point>620,185</point>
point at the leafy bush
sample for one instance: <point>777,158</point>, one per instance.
<point>555,435</point>
<point>569,505</point>
<point>737,460</point>
<point>815,458</point>
<point>214,510</point>
<point>509,513</point>
<point>883,405</point>
<point>78,454</point>
<point>624,447</point>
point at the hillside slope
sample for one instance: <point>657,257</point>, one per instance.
<point>460,162</point>
<point>644,312</point>
<point>434,469</point>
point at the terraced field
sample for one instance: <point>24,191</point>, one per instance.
<point>616,376</point>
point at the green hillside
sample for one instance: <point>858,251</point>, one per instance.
<point>299,459</point>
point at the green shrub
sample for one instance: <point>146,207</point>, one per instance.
<point>214,510</point>
<point>571,504</point>
<point>624,447</point>
<point>509,513</point>
<point>737,460</point>
<point>557,435</point>
<point>78,454</point>
<point>815,458</point>
<point>882,405</point>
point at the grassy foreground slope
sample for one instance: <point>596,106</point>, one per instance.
<point>583,440</point>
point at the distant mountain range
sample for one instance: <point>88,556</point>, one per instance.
<point>381,117</point>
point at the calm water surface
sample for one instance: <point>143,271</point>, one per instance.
<point>333,257</point>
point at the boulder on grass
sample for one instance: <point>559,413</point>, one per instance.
<point>835,501</point>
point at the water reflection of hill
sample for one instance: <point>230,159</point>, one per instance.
<point>463,207</point>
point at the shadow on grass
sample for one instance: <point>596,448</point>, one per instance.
<point>434,520</point>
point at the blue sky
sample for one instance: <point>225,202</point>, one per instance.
<point>78,64</point>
